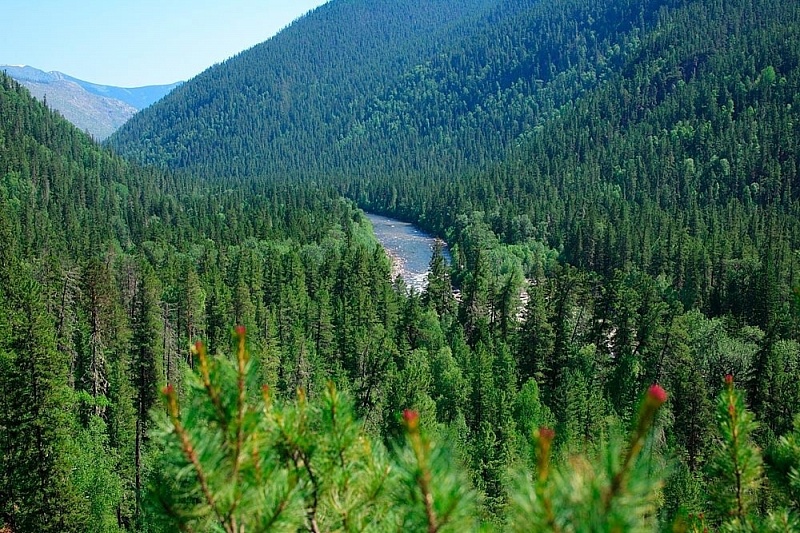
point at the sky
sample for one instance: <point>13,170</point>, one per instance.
<point>132,43</point>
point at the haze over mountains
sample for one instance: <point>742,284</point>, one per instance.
<point>97,109</point>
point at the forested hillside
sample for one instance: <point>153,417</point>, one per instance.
<point>109,271</point>
<point>617,182</point>
<point>304,88</point>
<point>659,135</point>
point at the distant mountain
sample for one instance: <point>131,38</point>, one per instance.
<point>98,109</point>
<point>138,97</point>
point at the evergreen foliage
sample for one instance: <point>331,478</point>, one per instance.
<point>617,185</point>
<point>234,462</point>
<point>231,462</point>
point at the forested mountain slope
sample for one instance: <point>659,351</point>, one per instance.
<point>644,199</point>
<point>661,135</point>
<point>429,86</point>
<point>109,271</point>
<point>306,87</point>
<point>682,161</point>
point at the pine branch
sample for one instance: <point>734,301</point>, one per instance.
<point>312,513</point>
<point>735,447</point>
<point>654,398</point>
<point>423,477</point>
<point>199,350</point>
<point>190,454</point>
<point>737,464</point>
<point>241,358</point>
<point>332,397</point>
<point>544,440</point>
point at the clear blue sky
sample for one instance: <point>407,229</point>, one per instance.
<point>130,43</point>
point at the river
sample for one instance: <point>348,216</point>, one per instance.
<point>409,248</point>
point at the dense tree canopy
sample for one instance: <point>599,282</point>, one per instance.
<point>617,183</point>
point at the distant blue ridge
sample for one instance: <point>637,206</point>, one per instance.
<point>137,97</point>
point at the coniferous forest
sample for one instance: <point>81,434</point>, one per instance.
<point>199,331</point>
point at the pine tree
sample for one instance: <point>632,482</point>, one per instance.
<point>93,363</point>
<point>145,368</point>
<point>536,338</point>
<point>439,291</point>
<point>36,416</point>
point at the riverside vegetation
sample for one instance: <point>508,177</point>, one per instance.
<point>631,166</point>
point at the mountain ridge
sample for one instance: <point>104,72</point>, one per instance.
<point>95,108</point>
<point>347,48</point>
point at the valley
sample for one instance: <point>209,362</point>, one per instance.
<point>202,327</point>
